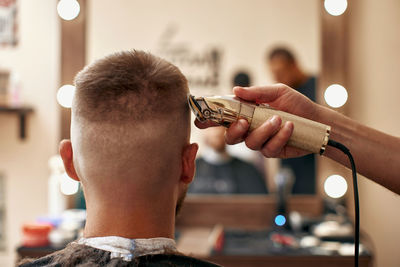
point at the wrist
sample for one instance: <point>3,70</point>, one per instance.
<point>326,115</point>
<point>319,113</point>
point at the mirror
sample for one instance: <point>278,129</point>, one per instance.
<point>217,44</point>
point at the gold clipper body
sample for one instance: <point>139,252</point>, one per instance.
<point>224,110</point>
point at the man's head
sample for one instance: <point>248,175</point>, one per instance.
<point>283,66</point>
<point>130,131</point>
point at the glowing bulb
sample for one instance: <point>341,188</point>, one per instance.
<point>65,95</point>
<point>335,7</point>
<point>335,95</point>
<point>280,220</point>
<point>335,186</point>
<point>68,9</point>
<point>68,186</point>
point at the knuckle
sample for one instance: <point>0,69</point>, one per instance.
<point>283,86</point>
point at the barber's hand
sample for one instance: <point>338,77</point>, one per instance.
<point>271,137</point>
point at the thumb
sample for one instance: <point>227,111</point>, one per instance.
<point>259,94</point>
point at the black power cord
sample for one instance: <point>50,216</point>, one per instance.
<point>345,150</point>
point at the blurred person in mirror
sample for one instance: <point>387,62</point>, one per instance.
<point>286,69</point>
<point>217,172</point>
<point>130,150</point>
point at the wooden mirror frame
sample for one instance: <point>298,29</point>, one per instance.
<point>253,211</point>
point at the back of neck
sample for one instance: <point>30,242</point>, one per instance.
<point>134,219</point>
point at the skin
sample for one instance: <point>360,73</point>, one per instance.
<point>287,72</point>
<point>376,154</point>
<point>126,180</point>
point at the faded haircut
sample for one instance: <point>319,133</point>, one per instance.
<point>129,85</point>
<point>129,115</point>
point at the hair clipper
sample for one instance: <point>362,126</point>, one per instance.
<point>224,110</point>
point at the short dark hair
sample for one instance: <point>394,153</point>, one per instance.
<point>241,79</point>
<point>282,52</point>
<point>129,85</point>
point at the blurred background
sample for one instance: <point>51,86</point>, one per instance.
<point>242,209</point>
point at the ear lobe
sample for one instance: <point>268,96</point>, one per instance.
<point>188,163</point>
<point>67,157</point>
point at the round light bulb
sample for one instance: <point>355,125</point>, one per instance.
<point>335,186</point>
<point>335,7</point>
<point>280,220</point>
<point>68,186</point>
<point>65,95</point>
<point>68,9</point>
<point>335,95</point>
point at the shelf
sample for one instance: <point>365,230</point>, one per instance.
<point>21,112</point>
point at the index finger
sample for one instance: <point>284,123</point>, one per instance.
<point>259,94</point>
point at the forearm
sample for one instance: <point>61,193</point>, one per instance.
<point>376,154</point>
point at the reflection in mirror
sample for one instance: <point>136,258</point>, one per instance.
<point>218,172</point>
<point>218,44</point>
<point>286,69</point>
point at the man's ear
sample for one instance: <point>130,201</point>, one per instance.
<point>67,157</point>
<point>188,163</point>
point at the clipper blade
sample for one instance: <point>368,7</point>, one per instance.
<point>195,107</point>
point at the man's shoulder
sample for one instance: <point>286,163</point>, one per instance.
<point>96,257</point>
<point>45,261</point>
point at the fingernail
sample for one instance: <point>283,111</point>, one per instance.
<point>290,125</point>
<point>274,121</point>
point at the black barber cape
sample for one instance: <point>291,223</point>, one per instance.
<point>85,256</point>
<point>234,176</point>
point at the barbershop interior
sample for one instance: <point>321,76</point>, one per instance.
<point>245,206</point>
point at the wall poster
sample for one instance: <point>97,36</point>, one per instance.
<point>8,22</point>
